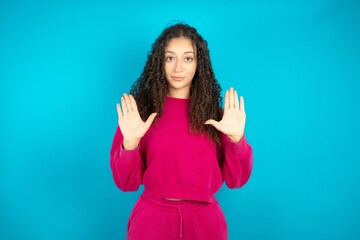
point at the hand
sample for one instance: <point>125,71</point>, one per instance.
<point>233,121</point>
<point>132,127</point>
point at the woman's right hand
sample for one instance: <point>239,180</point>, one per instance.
<point>132,127</point>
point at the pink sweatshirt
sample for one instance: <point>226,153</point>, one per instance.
<point>172,163</point>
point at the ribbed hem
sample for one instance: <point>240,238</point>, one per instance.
<point>185,192</point>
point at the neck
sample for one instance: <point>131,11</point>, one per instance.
<point>179,94</point>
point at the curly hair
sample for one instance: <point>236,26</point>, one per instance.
<point>151,88</point>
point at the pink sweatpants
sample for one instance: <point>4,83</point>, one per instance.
<point>169,220</point>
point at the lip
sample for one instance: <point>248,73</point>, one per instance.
<point>175,78</point>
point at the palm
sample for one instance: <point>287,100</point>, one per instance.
<point>233,121</point>
<point>132,127</point>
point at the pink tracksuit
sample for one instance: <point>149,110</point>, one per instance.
<point>173,163</point>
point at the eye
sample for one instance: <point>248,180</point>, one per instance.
<point>189,59</point>
<point>169,59</point>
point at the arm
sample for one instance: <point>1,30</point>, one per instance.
<point>235,154</point>
<point>126,165</point>
<point>237,162</point>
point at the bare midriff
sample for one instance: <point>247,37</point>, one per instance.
<point>174,199</point>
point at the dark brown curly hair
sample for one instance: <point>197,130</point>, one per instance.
<point>151,88</point>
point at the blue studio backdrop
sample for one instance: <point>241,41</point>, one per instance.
<point>65,64</point>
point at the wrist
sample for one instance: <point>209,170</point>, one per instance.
<point>236,138</point>
<point>130,145</point>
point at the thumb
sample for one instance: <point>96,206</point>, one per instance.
<point>150,119</point>
<point>213,123</point>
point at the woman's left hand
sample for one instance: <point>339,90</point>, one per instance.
<point>233,121</point>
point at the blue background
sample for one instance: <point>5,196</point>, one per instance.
<point>65,64</point>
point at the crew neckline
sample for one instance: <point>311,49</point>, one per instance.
<point>173,99</point>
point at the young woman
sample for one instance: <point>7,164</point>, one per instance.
<point>175,139</point>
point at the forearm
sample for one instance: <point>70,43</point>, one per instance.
<point>127,168</point>
<point>238,162</point>
<point>126,165</point>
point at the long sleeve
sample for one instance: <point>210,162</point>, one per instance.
<point>237,162</point>
<point>126,165</point>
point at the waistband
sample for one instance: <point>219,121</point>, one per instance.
<point>194,193</point>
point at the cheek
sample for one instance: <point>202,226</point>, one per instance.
<point>167,69</point>
<point>193,69</point>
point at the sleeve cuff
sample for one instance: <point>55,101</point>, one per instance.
<point>128,156</point>
<point>239,147</point>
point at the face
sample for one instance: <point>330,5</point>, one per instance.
<point>180,66</point>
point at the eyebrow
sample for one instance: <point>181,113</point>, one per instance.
<point>184,52</point>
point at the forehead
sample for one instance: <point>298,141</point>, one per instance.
<point>180,45</point>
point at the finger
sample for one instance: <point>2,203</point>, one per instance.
<point>127,101</point>
<point>120,114</point>
<point>133,103</point>
<point>123,106</point>
<point>212,122</point>
<point>236,99</point>
<point>231,98</point>
<point>150,119</point>
<point>242,104</point>
<point>226,104</point>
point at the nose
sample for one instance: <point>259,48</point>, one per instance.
<point>178,66</point>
